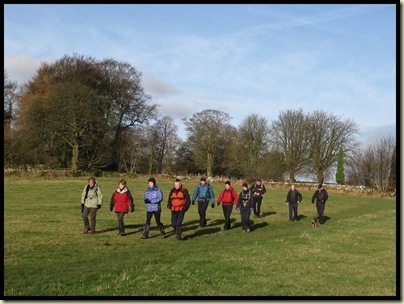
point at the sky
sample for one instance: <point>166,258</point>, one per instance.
<point>240,59</point>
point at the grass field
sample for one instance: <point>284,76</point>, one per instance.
<point>46,254</point>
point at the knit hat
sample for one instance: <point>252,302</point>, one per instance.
<point>245,185</point>
<point>203,178</point>
<point>228,182</point>
<point>152,179</point>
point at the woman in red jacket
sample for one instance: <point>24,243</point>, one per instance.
<point>122,199</point>
<point>227,197</point>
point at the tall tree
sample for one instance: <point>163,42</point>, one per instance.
<point>290,135</point>
<point>11,97</point>
<point>393,170</point>
<point>253,138</point>
<point>205,132</point>
<point>340,175</point>
<point>328,133</point>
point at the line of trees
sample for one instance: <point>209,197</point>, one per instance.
<point>84,114</point>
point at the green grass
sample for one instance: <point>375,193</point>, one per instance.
<point>46,254</point>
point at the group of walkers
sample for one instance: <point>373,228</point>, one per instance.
<point>247,201</point>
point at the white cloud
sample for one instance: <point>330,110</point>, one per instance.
<point>21,68</point>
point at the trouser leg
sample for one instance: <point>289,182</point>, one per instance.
<point>202,206</point>
<point>227,209</point>
<point>259,201</point>
<point>93,215</point>
<point>121,224</point>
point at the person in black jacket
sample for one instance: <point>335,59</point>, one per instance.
<point>321,196</point>
<point>245,207</point>
<point>258,190</point>
<point>293,198</point>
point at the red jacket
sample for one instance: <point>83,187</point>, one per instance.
<point>122,199</point>
<point>227,197</point>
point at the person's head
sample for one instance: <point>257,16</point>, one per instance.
<point>122,184</point>
<point>258,181</point>
<point>292,187</point>
<point>152,181</point>
<point>91,182</point>
<point>320,187</point>
<point>227,185</point>
<point>203,180</point>
<point>177,183</point>
<point>245,186</point>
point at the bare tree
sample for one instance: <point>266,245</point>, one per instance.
<point>253,139</point>
<point>290,135</point>
<point>328,133</point>
<point>206,131</point>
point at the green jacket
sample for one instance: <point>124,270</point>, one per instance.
<point>94,197</point>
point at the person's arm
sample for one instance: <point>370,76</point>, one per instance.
<point>112,203</point>
<point>314,196</point>
<point>325,196</point>
<point>235,197</point>
<point>211,194</point>
<point>263,189</point>
<point>187,200</point>
<point>300,196</point>
<point>169,200</point>
<point>219,199</point>
<point>99,194</point>
<point>195,195</point>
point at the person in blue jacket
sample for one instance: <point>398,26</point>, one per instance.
<point>152,198</point>
<point>203,193</point>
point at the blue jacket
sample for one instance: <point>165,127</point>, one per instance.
<point>155,196</point>
<point>203,193</point>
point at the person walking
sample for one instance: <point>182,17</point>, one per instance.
<point>91,201</point>
<point>122,199</point>
<point>258,190</point>
<point>153,198</point>
<point>320,196</point>
<point>228,197</point>
<point>203,193</point>
<point>245,206</point>
<point>293,198</point>
<point>178,202</point>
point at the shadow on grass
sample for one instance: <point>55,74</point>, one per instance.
<point>264,214</point>
<point>201,232</point>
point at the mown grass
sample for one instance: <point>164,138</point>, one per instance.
<point>46,254</point>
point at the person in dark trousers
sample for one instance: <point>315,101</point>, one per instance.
<point>293,198</point>
<point>178,202</point>
<point>122,199</point>
<point>153,198</point>
<point>320,196</point>
<point>245,207</point>
<point>204,194</point>
<point>228,197</point>
<point>258,190</point>
<point>91,201</point>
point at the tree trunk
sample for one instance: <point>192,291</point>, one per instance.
<point>75,157</point>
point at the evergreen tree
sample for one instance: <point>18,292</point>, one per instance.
<point>340,176</point>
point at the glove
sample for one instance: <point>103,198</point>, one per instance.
<point>98,206</point>
<point>193,202</point>
<point>312,202</point>
<point>213,205</point>
<point>132,208</point>
<point>168,206</point>
<point>251,209</point>
<point>111,207</point>
<point>218,203</point>
<point>238,208</point>
<point>82,208</point>
<point>147,201</point>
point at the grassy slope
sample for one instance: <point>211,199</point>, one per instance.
<point>46,254</point>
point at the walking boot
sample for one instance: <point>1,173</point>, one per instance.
<point>162,231</point>
<point>178,233</point>
<point>146,232</point>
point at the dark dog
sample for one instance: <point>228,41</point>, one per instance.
<point>314,223</point>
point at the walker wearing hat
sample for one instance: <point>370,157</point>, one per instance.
<point>228,197</point>
<point>245,207</point>
<point>203,192</point>
<point>91,201</point>
<point>152,198</point>
<point>258,190</point>
<point>122,199</point>
<point>321,196</point>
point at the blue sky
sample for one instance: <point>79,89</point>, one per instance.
<point>240,59</point>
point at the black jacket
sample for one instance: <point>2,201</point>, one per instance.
<point>294,196</point>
